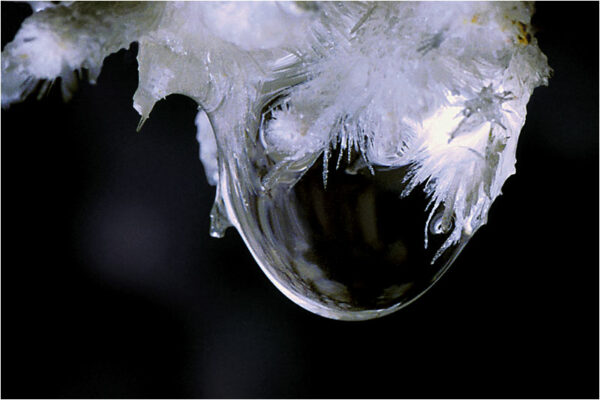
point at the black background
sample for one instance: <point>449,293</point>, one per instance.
<point>111,286</point>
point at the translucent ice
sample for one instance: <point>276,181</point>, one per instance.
<point>356,147</point>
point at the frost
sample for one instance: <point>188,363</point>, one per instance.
<point>208,150</point>
<point>58,41</point>
<point>438,88</point>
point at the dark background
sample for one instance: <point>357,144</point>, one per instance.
<point>112,287</point>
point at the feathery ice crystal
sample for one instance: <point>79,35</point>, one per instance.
<point>409,98</point>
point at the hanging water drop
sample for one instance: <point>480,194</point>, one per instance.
<point>440,224</point>
<point>356,147</point>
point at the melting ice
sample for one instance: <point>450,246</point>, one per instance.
<point>356,147</point>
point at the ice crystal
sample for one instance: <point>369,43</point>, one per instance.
<point>439,89</point>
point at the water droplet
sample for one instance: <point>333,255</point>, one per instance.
<point>219,222</point>
<point>440,224</point>
<point>353,249</point>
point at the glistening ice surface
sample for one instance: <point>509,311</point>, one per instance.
<point>356,147</point>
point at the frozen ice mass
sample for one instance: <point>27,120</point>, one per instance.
<point>356,146</point>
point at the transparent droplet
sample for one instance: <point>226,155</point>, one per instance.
<point>219,222</point>
<point>352,249</point>
<point>440,224</point>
